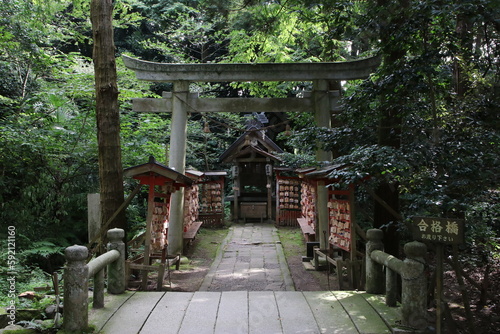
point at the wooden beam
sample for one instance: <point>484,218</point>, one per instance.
<point>110,220</point>
<point>147,267</point>
<point>393,212</point>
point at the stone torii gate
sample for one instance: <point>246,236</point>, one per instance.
<point>180,102</point>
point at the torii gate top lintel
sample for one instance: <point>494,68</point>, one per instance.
<point>230,72</point>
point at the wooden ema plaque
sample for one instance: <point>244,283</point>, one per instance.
<point>308,203</point>
<point>289,196</point>
<point>211,197</point>
<point>212,201</point>
<point>340,223</point>
<point>159,226</point>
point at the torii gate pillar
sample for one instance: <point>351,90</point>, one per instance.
<point>177,161</point>
<point>323,119</point>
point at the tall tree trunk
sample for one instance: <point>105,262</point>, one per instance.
<point>389,130</point>
<point>465,40</point>
<point>107,112</point>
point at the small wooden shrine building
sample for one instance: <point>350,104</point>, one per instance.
<point>163,182</point>
<point>253,156</point>
<point>203,202</point>
<point>211,207</point>
<point>293,195</point>
<point>334,241</point>
<point>339,236</point>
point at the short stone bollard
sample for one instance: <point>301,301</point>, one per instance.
<point>374,271</point>
<point>77,274</point>
<point>413,280</point>
<point>76,290</point>
<point>414,286</point>
<point>116,270</point>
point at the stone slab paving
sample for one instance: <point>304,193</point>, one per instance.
<point>360,312</point>
<point>263,314</point>
<point>232,315</point>
<point>131,316</point>
<point>168,313</point>
<point>323,304</point>
<point>243,312</point>
<point>201,314</point>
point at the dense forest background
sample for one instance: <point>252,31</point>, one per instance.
<point>425,123</point>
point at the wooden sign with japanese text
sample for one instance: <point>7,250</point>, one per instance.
<point>438,230</point>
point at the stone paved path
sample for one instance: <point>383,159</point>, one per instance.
<point>250,259</point>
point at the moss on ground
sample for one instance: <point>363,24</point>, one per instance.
<point>205,246</point>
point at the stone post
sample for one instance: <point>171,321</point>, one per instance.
<point>93,214</point>
<point>76,288</point>
<point>98,294</point>
<point>391,287</point>
<point>374,271</point>
<point>414,286</point>
<point>177,161</point>
<point>116,270</point>
<point>322,118</point>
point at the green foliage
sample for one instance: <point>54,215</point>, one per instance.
<point>383,163</point>
<point>41,249</point>
<point>275,31</point>
<point>482,226</point>
<point>144,135</point>
<point>177,31</point>
<point>27,278</point>
<point>297,160</point>
<point>308,138</point>
<point>204,148</point>
<point>43,173</point>
<point>47,133</point>
<point>284,32</point>
<point>446,128</point>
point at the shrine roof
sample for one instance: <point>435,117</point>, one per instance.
<point>284,169</point>
<point>321,172</point>
<point>194,174</point>
<point>216,173</point>
<point>305,170</point>
<point>250,149</point>
<point>251,139</point>
<point>157,169</point>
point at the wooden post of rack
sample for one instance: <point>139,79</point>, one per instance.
<point>356,271</point>
<point>269,188</point>
<point>147,242</point>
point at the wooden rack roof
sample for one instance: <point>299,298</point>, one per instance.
<point>155,173</point>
